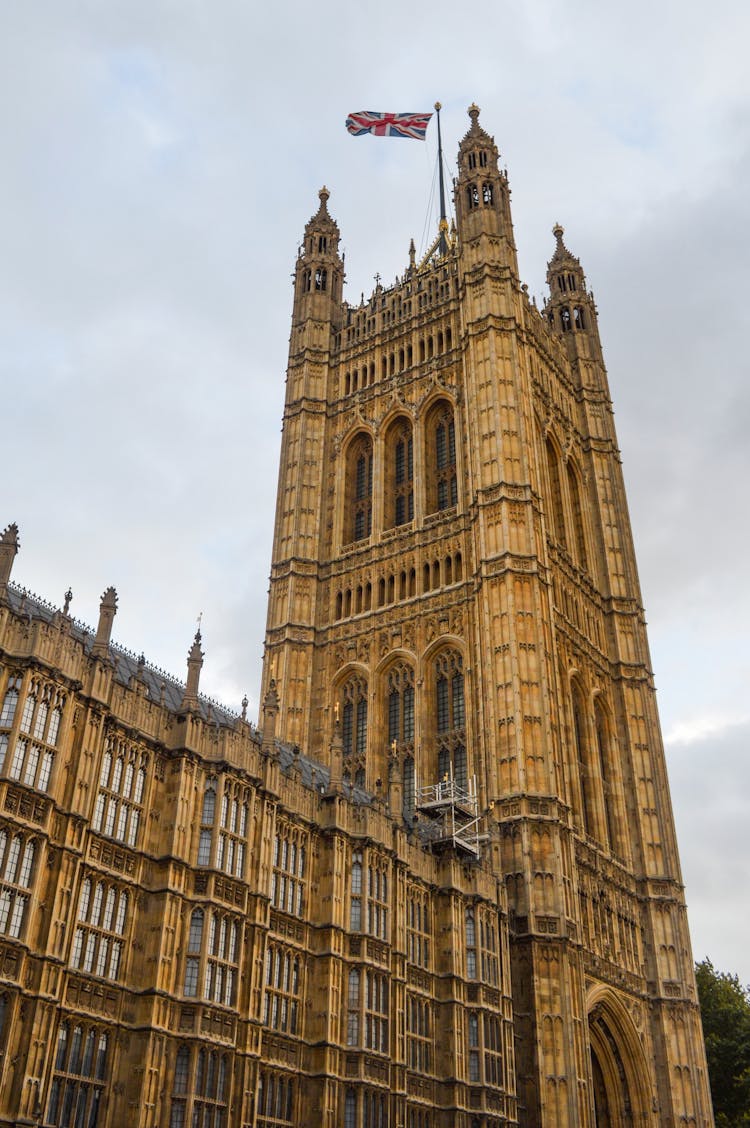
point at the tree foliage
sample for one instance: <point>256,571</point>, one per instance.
<point>725,1010</point>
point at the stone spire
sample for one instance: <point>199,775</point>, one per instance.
<point>8,549</point>
<point>194,664</point>
<point>107,612</point>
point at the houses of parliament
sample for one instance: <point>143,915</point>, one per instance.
<point>438,884</point>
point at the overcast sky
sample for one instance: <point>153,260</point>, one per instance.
<point>160,161</point>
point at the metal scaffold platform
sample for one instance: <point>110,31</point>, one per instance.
<point>453,810</point>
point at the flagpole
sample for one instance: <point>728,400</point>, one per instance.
<point>443,217</point>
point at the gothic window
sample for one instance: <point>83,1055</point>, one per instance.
<point>354,721</point>
<point>450,717</point>
<point>565,319</point>
<point>471,943</point>
<point>275,1102</point>
<point>399,485</point>
<point>472,196</point>
<point>409,788</point>
<point>222,959</point>
<point>322,244</point>
<point>98,938</point>
<point>231,845</point>
<point>585,776</point>
<point>307,281</point>
<point>281,1005</point>
<point>374,1109</point>
<point>353,1007</point>
<point>400,684</point>
<point>122,782</point>
<point>289,861</point>
<point>486,193</point>
<point>200,1088</point>
<point>10,702</point>
<point>208,816</point>
<point>418,1034</point>
<point>578,317</point>
<point>376,1006</point>
<point>575,502</point>
<point>418,927</point>
<point>368,889</point>
<point>557,516</point>
<point>358,493</point>
<point>488,945</point>
<point>78,1079</point>
<point>192,960</point>
<point>321,278</point>
<point>33,753</point>
<point>17,855</point>
<point>441,478</point>
<point>484,1037</point>
<point>604,750</point>
<point>212,959</point>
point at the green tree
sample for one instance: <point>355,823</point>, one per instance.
<point>725,1010</point>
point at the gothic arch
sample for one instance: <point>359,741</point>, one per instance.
<point>440,454</point>
<point>444,710</point>
<point>554,493</point>
<point>609,770</point>
<point>575,495</point>
<point>398,471</point>
<point>351,691</point>
<point>621,1078</point>
<point>356,486</point>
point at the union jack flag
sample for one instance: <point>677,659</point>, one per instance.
<point>388,125</point>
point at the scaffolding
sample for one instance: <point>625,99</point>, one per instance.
<point>453,810</point>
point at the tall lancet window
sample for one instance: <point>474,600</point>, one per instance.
<point>450,716</point>
<point>555,506</point>
<point>399,485</point>
<point>400,705</point>
<point>604,749</point>
<point>442,482</point>
<point>354,728</point>
<point>583,758</point>
<point>574,491</point>
<point>358,490</point>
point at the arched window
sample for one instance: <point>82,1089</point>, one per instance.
<point>354,724</point>
<point>604,751</point>
<point>575,502</point>
<point>400,684</point>
<point>358,490</point>
<point>583,759</point>
<point>208,814</point>
<point>450,715</point>
<point>441,479</point>
<point>399,485</point>
<point>557,515</point>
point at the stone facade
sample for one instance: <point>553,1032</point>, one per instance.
<point>440,885</point>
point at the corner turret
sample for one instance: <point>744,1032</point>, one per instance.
<point>8,550</point>
<point>570,309</point>
<point>482,198</point>
<point>319,274</point>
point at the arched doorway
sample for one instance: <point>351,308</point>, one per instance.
<point>621,1080</point>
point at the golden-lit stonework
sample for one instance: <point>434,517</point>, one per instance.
<point>439,886</point>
